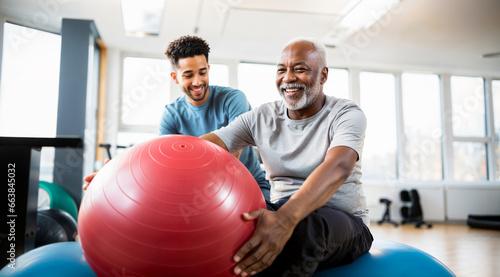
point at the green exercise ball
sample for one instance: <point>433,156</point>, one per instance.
<point>51,195</point>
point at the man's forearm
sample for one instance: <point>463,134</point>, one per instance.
<point>320,186</point>
<point>215,139</point>
<point>237,154</point>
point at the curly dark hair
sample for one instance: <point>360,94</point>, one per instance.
<point>185,47</point>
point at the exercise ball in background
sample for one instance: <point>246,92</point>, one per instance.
<point>61,259</point>
<point>171,206</point>
<point>54,225</point>
<point>51,195</point>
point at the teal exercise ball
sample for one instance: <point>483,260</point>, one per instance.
<point>52,195</point>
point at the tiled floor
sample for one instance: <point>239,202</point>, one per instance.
<point>468,252</point>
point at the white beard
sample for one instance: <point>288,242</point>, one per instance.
<point>306,100</point>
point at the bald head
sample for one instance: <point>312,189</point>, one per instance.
<point>317,46</point>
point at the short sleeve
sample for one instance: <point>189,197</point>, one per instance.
<point>349,129</point>
<point>237,134</point>
<point>167,124</point>
<point>236,104</point>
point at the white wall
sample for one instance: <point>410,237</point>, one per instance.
<point>463,200</point>
<point>440,202</point>
<point>432,200</point>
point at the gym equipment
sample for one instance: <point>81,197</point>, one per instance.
<point>58,198</point>
<point>61,259</point>
<point>411,212</point>
<point>107,146</point>
<point>170,206</point>
<point>387,214</point>
<point>54,225</point>
<point>484,221</point>
<point>390,259</point>
<point>20,157</point>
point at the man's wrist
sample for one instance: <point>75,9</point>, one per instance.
<point>291,212</point>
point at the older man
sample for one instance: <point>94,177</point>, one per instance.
<point>311,145</point>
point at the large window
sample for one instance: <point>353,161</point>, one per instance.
<point>377,94</point>
<point>467,96</point>
<point>29,88</point>
<point>469,161</point>
<point>338,83</point>
<point>469,129</point>
<point>30,82</point>
<point>258,82</point>
<point>422,128</point>
<point>219,75</point>
<point>146,90</point>
<point>496,113</point>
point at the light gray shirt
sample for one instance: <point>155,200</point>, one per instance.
<point>292,149</point>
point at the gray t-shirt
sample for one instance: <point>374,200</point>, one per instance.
<point>292,149</point>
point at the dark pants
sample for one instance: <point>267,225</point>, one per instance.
<point>326,238</point>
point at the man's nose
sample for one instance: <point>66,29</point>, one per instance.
<point>289,76</point>
<point>197,80</point>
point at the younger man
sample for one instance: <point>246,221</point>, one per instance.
<point>204,108</point>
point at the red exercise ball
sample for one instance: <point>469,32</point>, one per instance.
<point>171,206</point>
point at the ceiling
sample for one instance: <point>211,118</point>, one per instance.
<point>429,35</point>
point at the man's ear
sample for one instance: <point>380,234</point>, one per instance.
<point>324,75</point>
<point>174,77</point>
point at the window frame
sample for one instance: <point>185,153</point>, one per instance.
<point>449,137</point>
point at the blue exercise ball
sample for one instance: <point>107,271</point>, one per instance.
<point>60,259</point>
<point>390,259</point>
